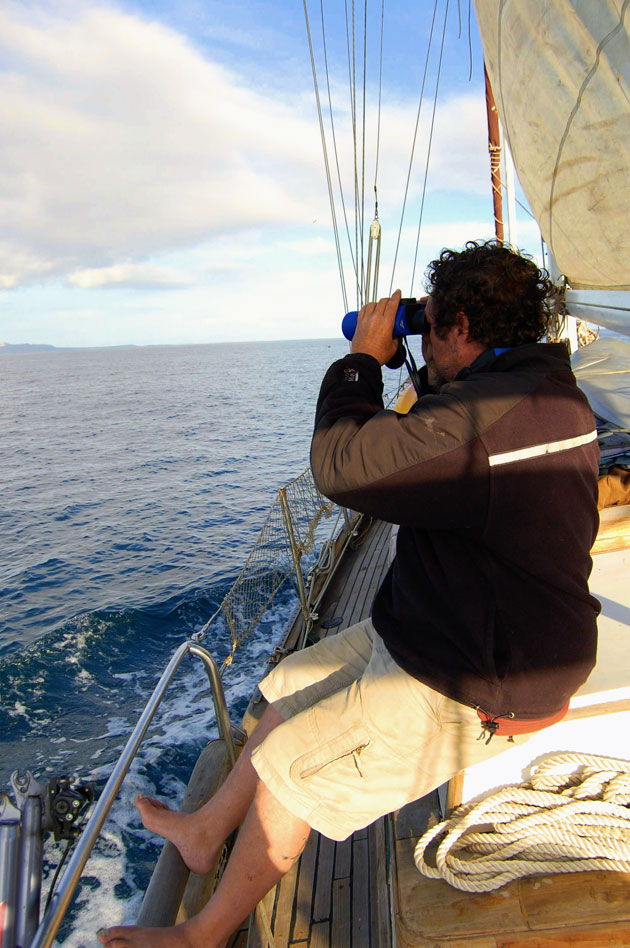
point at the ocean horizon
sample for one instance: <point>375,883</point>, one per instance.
<point>135,482</point>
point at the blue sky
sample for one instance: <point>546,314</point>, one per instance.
<point>162,173</point>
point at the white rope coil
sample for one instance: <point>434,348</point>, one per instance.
<point>571,816</point>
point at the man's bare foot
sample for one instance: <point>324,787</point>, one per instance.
<point>196,846</point>
<point>181,936</point>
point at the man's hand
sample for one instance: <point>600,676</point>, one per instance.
<point>375,326</point>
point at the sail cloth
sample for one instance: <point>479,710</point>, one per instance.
<point>560,71</point>
<point>602,370</point>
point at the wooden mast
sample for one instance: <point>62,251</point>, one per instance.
<point>494,147</point>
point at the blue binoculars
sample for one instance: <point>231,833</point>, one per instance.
<point>410,320</point>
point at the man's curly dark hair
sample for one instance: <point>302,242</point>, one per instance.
<point>508,300</point>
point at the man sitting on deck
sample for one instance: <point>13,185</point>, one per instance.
<point>484,620</point>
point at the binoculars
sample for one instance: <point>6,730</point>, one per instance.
<point>410,320</point>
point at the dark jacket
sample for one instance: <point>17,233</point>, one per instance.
<point>493,481</point>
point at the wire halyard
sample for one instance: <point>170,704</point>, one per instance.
<point>413,145</point>
<point>426,167</point>
<point>363,117</point>
<point>325,152</point>
<point>352,78</point>
<point>363,238</point>
<point>336,152</point>
<point>371,287</point>
<point>357,69</point>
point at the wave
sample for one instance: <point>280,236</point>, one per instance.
<point>73,698</point>
<point>136,483</point>
<point>53,689</point>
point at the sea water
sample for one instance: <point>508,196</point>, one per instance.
<point>134,484</point>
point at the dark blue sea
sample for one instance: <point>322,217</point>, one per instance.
<point>134,484</point>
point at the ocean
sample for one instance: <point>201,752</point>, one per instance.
<point>134,484</point>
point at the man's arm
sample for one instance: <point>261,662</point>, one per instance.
<point>351,388</point>
<point>424,469</point>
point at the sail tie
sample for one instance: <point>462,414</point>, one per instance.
<point>572,816</point>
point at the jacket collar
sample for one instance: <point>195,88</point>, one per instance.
<point>485,361</point>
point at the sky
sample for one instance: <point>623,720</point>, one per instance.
<point>162,171</point>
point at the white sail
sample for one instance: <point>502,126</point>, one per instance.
<point>560,71</point>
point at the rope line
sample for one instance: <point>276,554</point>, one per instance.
<point>572,816</point>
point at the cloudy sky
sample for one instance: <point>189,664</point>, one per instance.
<point>162,171</point>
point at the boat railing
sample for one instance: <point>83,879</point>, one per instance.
<point>289,535</point>
<point>16,929</point>
<point>281,552</point>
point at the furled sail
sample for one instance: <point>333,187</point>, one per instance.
<point>560,71</point>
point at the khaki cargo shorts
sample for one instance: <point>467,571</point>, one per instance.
<point>360,738</point>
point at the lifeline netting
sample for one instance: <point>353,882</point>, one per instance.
<point>287,534</point>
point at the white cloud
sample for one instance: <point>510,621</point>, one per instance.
<point>123,144</point>
<point>126,275</point>
<point>122,141</point>
<point>311,246</point>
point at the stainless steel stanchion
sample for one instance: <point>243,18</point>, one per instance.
<point>30,869</point>
<point>9,853</point>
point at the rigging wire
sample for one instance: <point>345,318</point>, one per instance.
<point>371,289</point>
<point>470,48</point>
<point>359,151</point>
<point>426,169</point>
<point>371,284</point>
<point>413,147</point>
<point>459,33</point>
<point>326,163</point>
<point>351,53</point>
<point>357,73</point>
<point>359,136</point>
<point>363,281</point>
<point>335,149</point>
<point>378,122</point>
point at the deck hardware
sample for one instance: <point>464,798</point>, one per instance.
<point>66,804</point>
<point>45,934</point>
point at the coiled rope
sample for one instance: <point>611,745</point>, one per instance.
<point>572,816</point>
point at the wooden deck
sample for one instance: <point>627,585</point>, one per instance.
<point>348,895</point>
<point>336,895</point>
<point>581,910</point>
<point>367,893</point>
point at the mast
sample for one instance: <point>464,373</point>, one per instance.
<point>494,147</point>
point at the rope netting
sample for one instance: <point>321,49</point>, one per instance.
<point>306,507</point>
<point>288,533</point>
<point>572,816</point>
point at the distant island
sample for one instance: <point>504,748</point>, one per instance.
<point>43,347</point>
<point>25,347</point>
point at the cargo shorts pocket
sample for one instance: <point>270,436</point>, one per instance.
<point>346,747</point>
